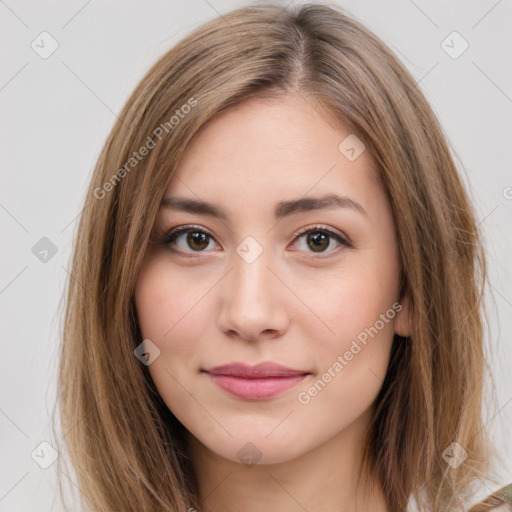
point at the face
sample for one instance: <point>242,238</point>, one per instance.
<point>312,289</point>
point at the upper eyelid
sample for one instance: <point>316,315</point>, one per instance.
<point>189,227</point>
<point>183,229</point>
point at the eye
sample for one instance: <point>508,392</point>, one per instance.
<point>317,238</point>
<point>197,239</point>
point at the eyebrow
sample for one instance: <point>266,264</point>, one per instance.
<point>281,210</point>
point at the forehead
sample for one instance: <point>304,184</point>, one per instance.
<point>273,149</point>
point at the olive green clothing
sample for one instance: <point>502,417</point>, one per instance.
<point>499,501</point>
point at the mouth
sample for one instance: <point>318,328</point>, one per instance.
<point>255,382</point>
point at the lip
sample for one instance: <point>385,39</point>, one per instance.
<point>260,370</point>
<point>255,382</point>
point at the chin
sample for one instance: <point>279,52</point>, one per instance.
<point>257,449</point>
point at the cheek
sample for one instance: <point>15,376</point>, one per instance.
<point>166,315</point>
<point>152,302</point>
<point>362,328</point>
<point>352,362</point>
<point>170,319</point>
<point>358,309</point>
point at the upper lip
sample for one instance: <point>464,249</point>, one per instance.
<point>260,370</point>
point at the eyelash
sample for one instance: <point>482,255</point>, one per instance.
<point>172,235</point>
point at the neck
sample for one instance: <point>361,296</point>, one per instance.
<point>322,479</point>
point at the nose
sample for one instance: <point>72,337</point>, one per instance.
<point>253,301</point>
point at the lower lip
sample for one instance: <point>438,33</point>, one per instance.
<point>255,389</point>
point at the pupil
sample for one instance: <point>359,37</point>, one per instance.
<point>200,239</point>
<point>318,237</point>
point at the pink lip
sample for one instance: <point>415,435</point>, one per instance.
<point>257,382</point>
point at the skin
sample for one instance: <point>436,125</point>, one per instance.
<point>293,305</point>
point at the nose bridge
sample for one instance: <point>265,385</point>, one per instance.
<point>251,299</point>
<point>251,275</point>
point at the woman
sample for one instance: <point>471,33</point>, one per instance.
<point>276,285</point>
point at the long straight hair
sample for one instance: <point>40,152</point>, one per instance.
<point>126,447</point>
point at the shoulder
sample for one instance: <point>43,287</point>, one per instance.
<point>499,501</point>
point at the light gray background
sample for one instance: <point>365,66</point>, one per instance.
<point>57,112</point>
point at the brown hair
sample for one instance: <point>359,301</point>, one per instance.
<point>126,447</point>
